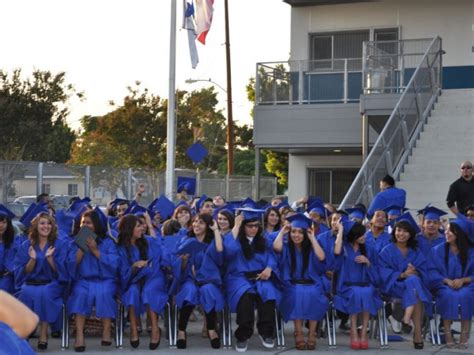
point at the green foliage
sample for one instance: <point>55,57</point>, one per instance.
<point>33,116</point>
<point>244,163</point>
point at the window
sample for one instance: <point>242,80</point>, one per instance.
<point>46,188</point>
<point>72,189</point>
<point>330,184</point>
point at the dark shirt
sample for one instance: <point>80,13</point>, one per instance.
<point>461,192</point>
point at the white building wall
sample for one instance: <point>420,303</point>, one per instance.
<point>298,166</point>
<point>452,20</point>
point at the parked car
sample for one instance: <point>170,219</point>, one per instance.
<point>59,201</point>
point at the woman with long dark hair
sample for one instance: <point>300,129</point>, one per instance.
<point>301,269</point>
<point>39,265</point>
<point>7,250</point>
<point>404,275</point>
<point>271,220</point>
<point>452,272</point>
<point>249,282</point>
<point>94,280</point>
<point>143,282</point>
<point>183,215</point>
<point>225,221</point>
<point>356,292</point>
<point>199,277</point>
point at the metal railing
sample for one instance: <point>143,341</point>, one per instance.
<point>22,181</point>
<point>388,65</point>
<point>393,146</point>
<point>308,81</point>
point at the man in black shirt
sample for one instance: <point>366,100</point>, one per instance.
<point>461,192</point>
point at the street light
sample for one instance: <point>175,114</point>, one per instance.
<point>230,123</point>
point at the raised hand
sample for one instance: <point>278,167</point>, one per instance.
<point>50,252</point>
<point>32,253</point>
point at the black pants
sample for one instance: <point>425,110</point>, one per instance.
<point>246,317</point>
<point>185,313</point>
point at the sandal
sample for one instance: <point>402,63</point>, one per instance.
<point>311,343</point>
<point>300,344</point>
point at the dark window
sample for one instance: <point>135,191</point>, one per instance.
<point>330,184</point>
<point>72,189</point>
<point>46,188</point>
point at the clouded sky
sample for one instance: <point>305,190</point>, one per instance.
<point>105,45</point>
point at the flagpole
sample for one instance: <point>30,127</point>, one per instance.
<point>230,120</point>
<point>171,124</point>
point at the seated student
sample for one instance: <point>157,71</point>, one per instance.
<point>377,237</point>
<point>403,273</point>
<point>204,205</point>
<point>389,195</point>
<point>7,249</point>
<point>143,282</point>
<point>199,277</point>
<point>39,269</point>
<point>183,215</point>
<point>248,279</point>
<point>94,280</point>
<point>271,221</point>
<point>430,235</point>
<point>452,275</point>
<point>318,213</point>
<point>356,292</point>
<point>225,221</point>
<point>301,270</point>
<point>17,322</point>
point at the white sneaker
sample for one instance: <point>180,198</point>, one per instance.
<point>241,346</point>
<point>396,325</point>
<point>269,343</point>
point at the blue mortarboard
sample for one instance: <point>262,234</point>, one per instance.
<point>200,202</point>
<point>197,152</point>
<point>409,218</point>
<point>356,212</point>
<point>248,203</point>
<point>318,207</point>
<point>118,201</point>
<point>312,199</point>
<point>299,220</point>
<point>432,213</point>
<point>466,225</point>
<point>250,213</point>
<point>162,205</point>
<point>103,218</point>
<point>186,183</point>
<point>216,211</point>
<point>6,212</point>
<point>395,210</point>
<point>138,210</point>
<point>191,246</point>
<point>282,204</point>
<point>65,221</point>
<point>130,207</point>
<point>32,212</point>
<point>347,224</point>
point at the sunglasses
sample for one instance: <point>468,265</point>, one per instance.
<point>466,167</point>
<point>255,225</point>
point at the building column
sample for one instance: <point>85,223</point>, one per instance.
<point>256,194</point>
<point>365,137</point>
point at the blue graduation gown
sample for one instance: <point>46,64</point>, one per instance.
<point>377,244</point>
<point>200,282</point>
<point>7,256</point>
<point>426,245</point>
<point>12,344</point>
<point>236,284</point>
<point>356,284</point>
<point>46,299</point>
<point>302,301</point>
<point>392,263</point>
<point>94,281</point>
<point>148,285</point>
<point>327,240</point>
<point>392,196</point>
<point>450,302</point>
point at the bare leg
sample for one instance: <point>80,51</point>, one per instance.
<point>311,343</point>
<point>106,326</point>
<point>365,324</point>
<point>79,320</point>
<point>447,332</point>
<point>155,332</point>
<point>465,330</point>
<point>133,324</point>
<point>408,314</point>
<point>43,328</point>
<point>299,337</point>
<point>354,333</point>
<point>417,318</point>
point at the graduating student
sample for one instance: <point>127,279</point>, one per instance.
<point>199,277</point>
<point>39,269</point>
<point>271,221</point>
<point>404,275</point>
<point>183,215</point>
<point>225,221</point>
<point>94,279</point>
<point>389,195</point>
<point>376,237</point>
<point>302,267</point>
<point>7,249</point>
<point>357,279</point>
<point>452,274</point>
<point>143,282</point>
<point>430,235</point>
<point>318,213</point>
<point>248,279</point>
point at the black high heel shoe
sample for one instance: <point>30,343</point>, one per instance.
<point>418,346</point>
<point>80,349</point>
<point>181,343</point>
<point>42,345</point>
<point>216,342</point>
<point>153,346</point>
<point>135,343</point>
<point>105,343</point>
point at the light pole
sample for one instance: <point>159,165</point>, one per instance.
<point>230,124</point>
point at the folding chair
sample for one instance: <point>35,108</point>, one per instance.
<point>226,328</point>
<point>331,325</point>
<point>171,319</point>
<point>280,330</point>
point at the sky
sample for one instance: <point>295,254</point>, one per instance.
<point>106,45</point>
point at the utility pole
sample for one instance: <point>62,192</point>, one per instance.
<point>230,120</point>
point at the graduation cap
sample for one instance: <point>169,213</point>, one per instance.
<point>162,205</point>
<point>356,212</point>
<point>312,199</point>
<point>216,211</point>
<point>187,184</point>
<point>197,152</point>
<point>32,212</point>
<point>248,203</point>
<point>299,220</point>
<point>347,225</point>
<point>138,210</point>
<point>318,207</point>
<point>432,213</point>
<point>466,225</point>
<point>250,213</point>
<point>191,246</point>
<point>118,201</point>
<point>201,201</point>
<point>6,212</point>
<point>79,205</point>
<point>409,218</point>
<point>130,207</point>
<point>65,221</point>
<point>282,204</point>
<point>395,210</point>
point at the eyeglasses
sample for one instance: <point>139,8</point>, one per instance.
<point>255,225</point>
<point>466,167</point>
